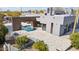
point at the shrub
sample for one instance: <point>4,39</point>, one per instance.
<point>40,45</point>
<point>3,32</point>
<point>1,38</point>
<point>15,13</point>
<point>75,40</point>
<point>20,40</point>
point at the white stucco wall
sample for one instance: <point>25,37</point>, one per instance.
<point>56,20</point>
<point>56,29</point>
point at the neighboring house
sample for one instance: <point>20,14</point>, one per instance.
<point>57,24</point>
<point>56,11</point>
<point>6,18</point>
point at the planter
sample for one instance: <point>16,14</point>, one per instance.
<point>15,48</point>
<point>28,44</point>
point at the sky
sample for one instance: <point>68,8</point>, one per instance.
<point>25,8</point>
<point>21,8</point>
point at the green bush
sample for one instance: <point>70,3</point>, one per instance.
<point>1,38</point>
<point>20,40</point>
<point>75,40</point>
<point>40,45</point>
<point>3,32</point>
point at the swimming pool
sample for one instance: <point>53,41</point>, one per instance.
<point>28,28</point>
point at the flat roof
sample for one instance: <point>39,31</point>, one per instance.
<point>30,15</point>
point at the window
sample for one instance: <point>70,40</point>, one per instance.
<point>44,27</point>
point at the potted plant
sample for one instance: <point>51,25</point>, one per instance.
<point>40,45</point>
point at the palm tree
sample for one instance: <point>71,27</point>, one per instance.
<point>75,22</point>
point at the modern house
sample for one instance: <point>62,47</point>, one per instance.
<point>57,24</point>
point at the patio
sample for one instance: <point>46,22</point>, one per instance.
<point>54,43</point>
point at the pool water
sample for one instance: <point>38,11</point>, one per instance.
<point>28,28</point>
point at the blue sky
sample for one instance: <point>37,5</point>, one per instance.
<point>19,8</point>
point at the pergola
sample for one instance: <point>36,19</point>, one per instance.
<point>16,22</point>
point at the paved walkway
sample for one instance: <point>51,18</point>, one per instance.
<point>54,42</point>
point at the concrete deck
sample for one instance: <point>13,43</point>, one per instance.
<point>54,42</point>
